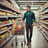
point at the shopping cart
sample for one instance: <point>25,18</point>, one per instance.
<point>20,34</point>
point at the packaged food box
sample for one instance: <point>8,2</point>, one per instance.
<point>13,6</point>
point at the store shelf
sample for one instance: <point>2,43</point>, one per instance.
<point>3,17</point>
<point>7,11</point>
<point>5,36</point>
<point>6,25</point>
<point>10,17</point>
<point>44,35</point>
<point>44,9</point>
<point>44,22</point>
<point>43,17</point>
<point>3,4</point>
<point>46,12</point>
<point>16,16</point>
<point>44,31</point>
<point>45,27</point>
<point>5,30</point>
<point>1,46</point>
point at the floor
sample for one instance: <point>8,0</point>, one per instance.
<point>38,41</point>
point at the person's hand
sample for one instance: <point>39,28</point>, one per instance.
<point>33,24</point>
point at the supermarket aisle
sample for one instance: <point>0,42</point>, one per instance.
<point>11,14</point>
<point>38,41</point>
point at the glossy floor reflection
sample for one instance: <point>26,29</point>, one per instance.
<point>38,41</point>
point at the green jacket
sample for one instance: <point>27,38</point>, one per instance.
<point>30,17</point>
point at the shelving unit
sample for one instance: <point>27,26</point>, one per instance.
<point>44,34</point>
<point>3,4</point>
<point>43,21</point>
<point>6,25</point>
<point>8,15</point>
<point>6,42</point>
<point>6,36</point>
<point>45,31</point>
<point>5,30</point>
<point>11,16</point>
<point>7,11</point>
<point>12,9</point>
<point>44,9</point>
<point>43,17</point>
<point>45,12</point>
<point>45,27</point>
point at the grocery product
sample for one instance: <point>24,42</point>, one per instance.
<point>2,36</point>
<point>10,21</point>
<point>6,21</point>
<point>2,13</point>
<point>3,23</point>
<point>3,28</point>
<point>12,5</point>
<point>13,20</point>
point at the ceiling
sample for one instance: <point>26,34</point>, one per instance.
<point>35,4</point>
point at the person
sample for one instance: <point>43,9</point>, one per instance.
<point>30,21</point>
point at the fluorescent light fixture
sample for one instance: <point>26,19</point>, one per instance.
<point>32,1</point>
<point>30,5</point>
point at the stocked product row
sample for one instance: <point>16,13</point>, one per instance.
<point>6,12</point>
<point>37,15</point>
<point>8,7</point>
<point>44,7</point>
<point>43,21</point>
<point>8,4</point>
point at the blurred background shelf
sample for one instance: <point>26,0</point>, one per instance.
<point>1,46</point>
<point>5,30</point>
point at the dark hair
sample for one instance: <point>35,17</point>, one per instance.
<point>28,6</point>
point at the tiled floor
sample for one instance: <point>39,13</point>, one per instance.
<point>38,41</point>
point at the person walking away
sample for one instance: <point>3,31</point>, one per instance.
<point>30,21</point>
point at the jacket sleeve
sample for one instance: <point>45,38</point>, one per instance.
<point>24,17</point>
<point>34,19</point>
